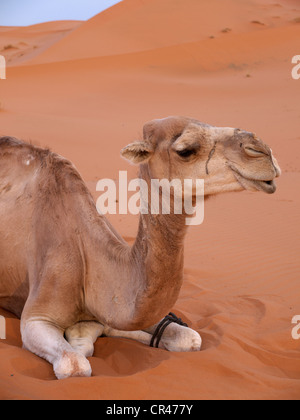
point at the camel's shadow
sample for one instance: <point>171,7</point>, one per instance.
<point>124,357</point>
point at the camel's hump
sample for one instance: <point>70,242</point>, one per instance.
<point>13,148</point>
<point>18,157</point>
<point>10,141</point>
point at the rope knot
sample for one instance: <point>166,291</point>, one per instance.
<point>169,319</point>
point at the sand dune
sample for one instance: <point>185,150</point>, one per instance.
<point>161,24</point>
<point>86,94</point>
<point>21,44</point>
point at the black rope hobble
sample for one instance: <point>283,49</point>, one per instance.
<point>169,319</point>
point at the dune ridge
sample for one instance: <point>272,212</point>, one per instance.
<point>116,28</point>
<point>20,44</point>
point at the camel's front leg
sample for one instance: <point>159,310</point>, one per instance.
<point>140,336</point>
<point>176,338</point>
<point>47,341</point>
<point>83,335</point>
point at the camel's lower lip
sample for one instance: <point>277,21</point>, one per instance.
<point>268,187</point>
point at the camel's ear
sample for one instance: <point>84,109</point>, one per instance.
<point>139,152</point>
<point>165,129</point>
<point>189,140</point>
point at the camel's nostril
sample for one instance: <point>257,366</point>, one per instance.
<point>277,168</point>
<point>250,151</point>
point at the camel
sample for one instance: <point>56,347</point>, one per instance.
<point>71,277</point>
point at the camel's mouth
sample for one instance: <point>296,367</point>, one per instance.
<point>268,187</point>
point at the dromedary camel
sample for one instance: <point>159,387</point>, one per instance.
<point>69,275</point>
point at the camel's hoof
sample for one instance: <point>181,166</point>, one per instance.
<point>181,339</point>
<point>196,344</point>
<point>72,365</point>
<point>193,341</point>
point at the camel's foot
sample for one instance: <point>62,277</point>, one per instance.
<point>177,338</point>
<point>172,337</point>
<point>173,334</point>
<point>72,365</point>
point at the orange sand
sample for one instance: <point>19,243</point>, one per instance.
<point>86,91</point>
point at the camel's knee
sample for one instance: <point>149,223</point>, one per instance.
<point>72,365</point>
<point>40,338</point>
<point>47,341</point>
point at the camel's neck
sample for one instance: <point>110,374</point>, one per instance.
<point>158,253</point>
<point>133,288</point>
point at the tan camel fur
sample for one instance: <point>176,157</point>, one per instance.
<point>70,276</point>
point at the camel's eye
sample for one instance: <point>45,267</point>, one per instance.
<point>186,153</point>
<point>254,152</point>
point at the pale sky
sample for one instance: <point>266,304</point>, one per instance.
<point>29,12</point>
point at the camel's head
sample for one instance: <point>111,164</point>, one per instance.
<point>227,159</point>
